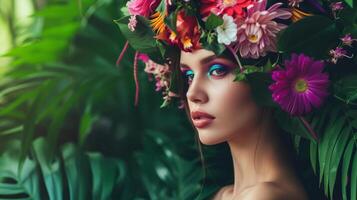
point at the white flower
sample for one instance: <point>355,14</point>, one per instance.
<point>227,32</point>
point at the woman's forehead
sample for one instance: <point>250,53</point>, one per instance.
<point>201,56</point>
<point>189,58</point>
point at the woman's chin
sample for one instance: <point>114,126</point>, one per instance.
<point>209,140</point>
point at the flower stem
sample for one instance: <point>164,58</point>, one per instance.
<point>136,78</point>
<point>236,57</point>
<point>309,128</point>
<point>122,53</point>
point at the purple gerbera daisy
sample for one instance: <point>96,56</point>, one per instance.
<point>301,85</point>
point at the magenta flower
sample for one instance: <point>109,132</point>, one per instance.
<point>143,57</point>
<point>300,86</point>
<point>257,32</point>
<point>142,7</point>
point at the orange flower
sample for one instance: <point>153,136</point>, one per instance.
<point>298,14</point>
<point>157,22</point>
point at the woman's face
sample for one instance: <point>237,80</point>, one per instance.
<point>220,109</point>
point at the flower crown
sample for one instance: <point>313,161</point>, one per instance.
<point>294,53</point>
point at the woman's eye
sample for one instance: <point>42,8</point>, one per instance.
<point>189,75</point>
<point>217,70</point>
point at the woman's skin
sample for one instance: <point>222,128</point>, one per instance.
<point>261,170</point>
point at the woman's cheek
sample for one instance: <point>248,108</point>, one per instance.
<point>238,107</point>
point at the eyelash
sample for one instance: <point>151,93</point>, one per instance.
<point>222,71</point>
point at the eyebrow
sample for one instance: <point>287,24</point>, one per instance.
<point>203,61</point>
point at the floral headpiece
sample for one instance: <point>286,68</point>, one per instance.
<point>296,54</point>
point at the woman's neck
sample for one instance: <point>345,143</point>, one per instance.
<point>257,157</point>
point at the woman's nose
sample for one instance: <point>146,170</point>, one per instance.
<point>196,92</point>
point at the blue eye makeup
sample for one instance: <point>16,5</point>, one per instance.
<point>217,70</point>
<point>189,75</point>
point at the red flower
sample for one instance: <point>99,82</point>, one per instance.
<point>188,33</point>
<point>234,8</point>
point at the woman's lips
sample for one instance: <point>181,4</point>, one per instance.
<point>201,119</point>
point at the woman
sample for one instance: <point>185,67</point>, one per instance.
<point>284,61</point>
<point>224,111</point>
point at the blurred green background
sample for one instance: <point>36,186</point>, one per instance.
<point>69,128</point>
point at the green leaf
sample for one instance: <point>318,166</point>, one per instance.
<point>213,21</point>
<point>107,173</point>
<point>58,119</point>
<point>72,175</point>
<point>269,66</point>
<point>171,21</point>
<point>86,123</point>
<point>174,53</point>
<point>349,2</point>
<point>248,69</point>
<point>292,124</point>
<point>336,155</point>
<point>259,83</point>
<point>345,167</point>
<point>18,88</point>
<point>345,89</point>
<point>10,107</point>
<point>313,36</point>
<point>50,169</point>
<point>240,77</point>
<point>353,176</point>
<point>142,39</point>
<point>167,168</point>
<point>327,144</point>
<point>313,156</point>
<point>210,43</point>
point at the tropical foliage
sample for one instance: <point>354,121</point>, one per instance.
<point>69,128</point>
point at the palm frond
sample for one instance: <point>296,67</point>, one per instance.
<point>73,174</point>
<point>161,165</point>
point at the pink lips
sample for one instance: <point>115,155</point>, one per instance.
<point>201,119</point>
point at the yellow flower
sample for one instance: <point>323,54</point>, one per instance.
<point>298,14</point>
<point>187,42</point>
<point>172,36</point>
<point>157,22</point>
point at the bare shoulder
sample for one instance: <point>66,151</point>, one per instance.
<point>222,192</point>
<point>273,191</point>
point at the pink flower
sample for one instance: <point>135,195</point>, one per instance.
<point>336,6</point>
<point>258,31</point>
<point>234,8</point>
<point>161,73</point>
<point>348,40</point>
<point>142,7</point>
<point>300,86</point>
<point>132,23</point>
<point>338,53</point>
